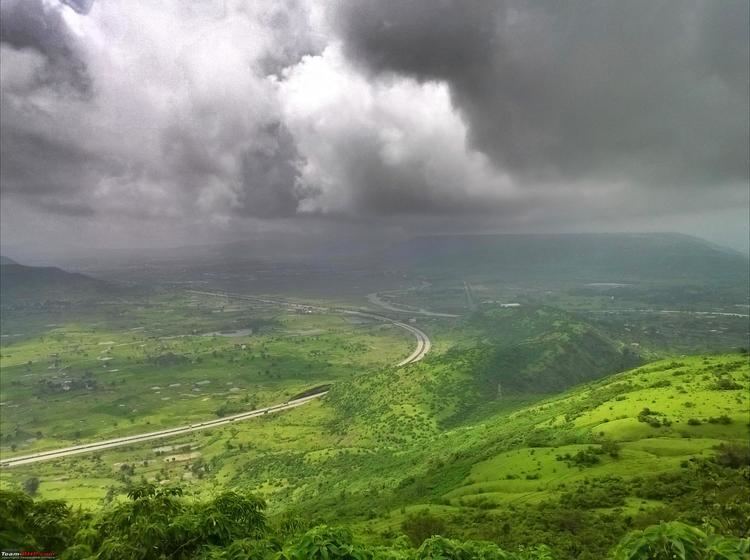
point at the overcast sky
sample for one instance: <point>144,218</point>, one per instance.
<point>174,123</point>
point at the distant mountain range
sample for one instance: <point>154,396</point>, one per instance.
<point>20,283</point>
<point>662,258</point>
<point>6,260</point>
<point>575,257</point>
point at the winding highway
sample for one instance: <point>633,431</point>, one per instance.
<point>422,348</point>
<point>375,299</point>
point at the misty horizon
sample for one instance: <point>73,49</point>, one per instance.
<point>375,279</point>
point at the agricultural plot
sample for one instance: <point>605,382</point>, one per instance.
<point>172,362</point>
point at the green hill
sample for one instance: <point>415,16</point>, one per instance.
<point>625,451</point>
<point>542,350</point>
<point>514,353</point>
<point>20,284</point>
<point>576,472</point>
<point>572,257</point>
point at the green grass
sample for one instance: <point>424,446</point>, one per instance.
<point>609,410</point>
<point>301,457</point>
<point>386,442</point>
<point>85,381</point>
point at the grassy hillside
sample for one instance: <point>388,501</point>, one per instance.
<point>497,357</point>
<point>470,443</point>
<point>575,472</point>
<point>542,350</point>
<point>657,416</point>
<point>21,284</point>
<point>625,451</point>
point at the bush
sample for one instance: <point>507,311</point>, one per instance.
<point>651,417</point>
<point>725,384</point>
<point>31,485</point>
<point>733,456</point>
<point>448,549</point>
<point>611,448</point>
<point>584,458</point>
<point>677,540</point>
<point>323,543</point>
<point>661,383</point>
<point>596,493</point>
<point>421,526</point>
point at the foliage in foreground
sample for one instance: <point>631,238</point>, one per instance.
<point>159,523</point>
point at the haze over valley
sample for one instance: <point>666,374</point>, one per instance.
<point>398,280</point>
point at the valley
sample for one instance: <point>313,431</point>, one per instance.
<point>374,280</point>
<point>524,415</point>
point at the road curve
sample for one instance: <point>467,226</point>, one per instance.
<point>422,348</point>
<point>374,298</point>
<point>423,341</point>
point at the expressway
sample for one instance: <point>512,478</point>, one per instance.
<point>422,348</point>
<point>129,440</point>
<point>423,341</point>
<point>375,299</point>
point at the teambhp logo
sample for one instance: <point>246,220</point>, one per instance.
<point>26,554</point>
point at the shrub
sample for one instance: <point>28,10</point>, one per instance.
<point>725,384</point>
<point>421,526</point>
<point>677,540</point>
<point>322,543</point>
<point>661,383</point>
<point>31,485</point>
<point>651,417</point>
<point>733,456</point>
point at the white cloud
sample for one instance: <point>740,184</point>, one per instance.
<point>391,142</point>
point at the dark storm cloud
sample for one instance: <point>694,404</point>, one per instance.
<point>654,92</point>
<point>72,209</point>
<point>31,24</point>
<point>221,116</point>
<point>24,171</point>
<point>198,137</point>
<point>80,6</point>
<point>270,176</point>
<point>50,175</point>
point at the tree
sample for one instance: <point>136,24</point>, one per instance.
<point>40,524</point>
<point>325,543</point>
<point>31,485</point>
<point>450,549</point>
<point>157,522</point>
<point>421,526</point>
<point>675,540</point>
<point>611,448</point>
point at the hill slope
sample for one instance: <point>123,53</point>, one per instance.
<point>576,471</point>
<point>573,257</point>
<point>498,353</point>
<point>579,470</point>
<point>19,284</point>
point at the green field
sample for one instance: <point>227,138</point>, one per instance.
<point>523,425</point>
<point>173,361</point>
<point>473,433</point>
